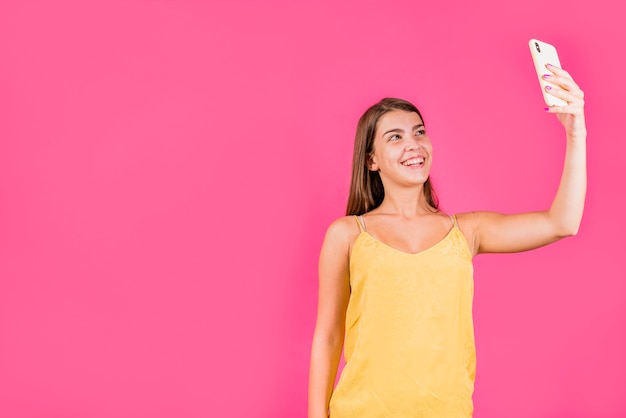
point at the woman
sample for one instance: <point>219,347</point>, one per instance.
<point>395,278</point>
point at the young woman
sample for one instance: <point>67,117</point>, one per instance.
<point>395,276</point>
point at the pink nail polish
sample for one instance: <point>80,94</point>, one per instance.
<point>546,109</point>
<point>546,75</point>
<point>548,88</point>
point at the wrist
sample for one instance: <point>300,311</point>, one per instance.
<point>577,136</point>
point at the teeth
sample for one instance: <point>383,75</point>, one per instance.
<point>413,161</point>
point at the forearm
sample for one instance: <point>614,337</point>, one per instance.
<point>566,211</point>
<point>568,204</point>
<point>325,356</point>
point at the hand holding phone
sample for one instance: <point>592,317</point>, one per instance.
<point>543,54</point>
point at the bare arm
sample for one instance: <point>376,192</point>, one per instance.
<point>493,232</point>
<point>334,292</point>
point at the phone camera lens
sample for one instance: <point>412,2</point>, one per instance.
<point>537,46</point>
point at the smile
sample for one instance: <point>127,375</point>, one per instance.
<point>414,161</point>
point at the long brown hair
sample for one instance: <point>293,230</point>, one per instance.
<point>366,187</point>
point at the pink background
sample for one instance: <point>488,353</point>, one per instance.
<point>168,170</point>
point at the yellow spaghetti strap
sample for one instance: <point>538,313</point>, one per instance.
<point>359,220</point>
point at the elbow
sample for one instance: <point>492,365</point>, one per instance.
<point>571,233</point>
<point>568,230</point>
<point>565,226</point>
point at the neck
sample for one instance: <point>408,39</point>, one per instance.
<point>406,202</point>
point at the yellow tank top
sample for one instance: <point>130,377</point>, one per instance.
<point>409,343</point>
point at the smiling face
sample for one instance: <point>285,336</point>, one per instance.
<point>402,152</point>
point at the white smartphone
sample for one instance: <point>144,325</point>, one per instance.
<point>544,53</point>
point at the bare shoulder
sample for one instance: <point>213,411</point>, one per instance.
<point>474,220</point>
<point>468,218</point>
<point>335,252</point>
<point>342,232</point>
<point>468,223</point>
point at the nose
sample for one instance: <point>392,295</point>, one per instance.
<point>412,144</point>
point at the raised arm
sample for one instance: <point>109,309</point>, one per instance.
<point>334,293</point>
<point>493,232</point>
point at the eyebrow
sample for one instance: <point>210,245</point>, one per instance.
<point>421,125</point>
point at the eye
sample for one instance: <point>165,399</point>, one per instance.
<point>420,132</point>
<point>394,137</point>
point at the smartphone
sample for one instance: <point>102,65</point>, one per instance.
<point>544,53</point>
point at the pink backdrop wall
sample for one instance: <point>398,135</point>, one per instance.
<point>168,169</point>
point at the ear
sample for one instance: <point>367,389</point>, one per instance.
<point>372,164</point>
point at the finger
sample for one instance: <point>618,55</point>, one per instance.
<point>572,97</point>
<point>564,83</point>
<point>566,110</point>
<point>561,75</point>
<point>575,101</point>
<point>558,71</point>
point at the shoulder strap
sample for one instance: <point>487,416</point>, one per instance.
<point>454,222</point>
<point>359,220</point>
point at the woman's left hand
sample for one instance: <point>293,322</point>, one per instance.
<point>572,116</point>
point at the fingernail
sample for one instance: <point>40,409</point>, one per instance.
<point>548,88</point>
<point>550,65</point>
<point>546,75</point>
<point>546,109</point>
